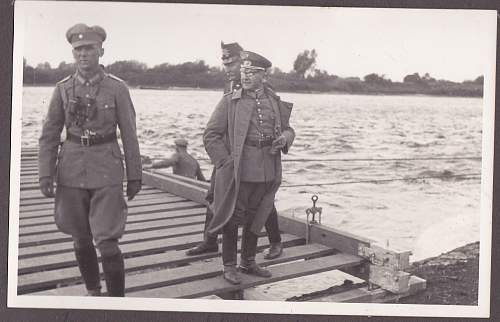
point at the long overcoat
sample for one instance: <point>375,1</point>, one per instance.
<point>224,138</point>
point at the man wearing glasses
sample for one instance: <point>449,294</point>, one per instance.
<point>244,138</point>
<point>231,61</point>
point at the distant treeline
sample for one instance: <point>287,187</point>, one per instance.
<point>303,78</point>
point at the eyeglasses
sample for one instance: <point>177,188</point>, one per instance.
<point>250,72</point>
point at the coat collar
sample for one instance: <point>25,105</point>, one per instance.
<point>99,76</point>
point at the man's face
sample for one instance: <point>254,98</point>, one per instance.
<point>232,70</point>
<point>252,79</point>
<point>87,56</point>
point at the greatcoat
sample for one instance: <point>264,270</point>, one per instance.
<point>224,138</point>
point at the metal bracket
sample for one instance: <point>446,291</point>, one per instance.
<point>312,211</point>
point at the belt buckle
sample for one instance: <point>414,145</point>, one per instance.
<point>86,138</point>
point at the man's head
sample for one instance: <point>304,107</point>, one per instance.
<point>231,60</point>
<point>253,70</point>
<point>180,144</point>
<point>87,45</point>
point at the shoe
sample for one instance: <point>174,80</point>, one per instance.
<point>203,248</point>
<point>232,275</point>
<point>254,269</point>
<point>274,251</point>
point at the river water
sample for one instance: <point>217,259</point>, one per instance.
<point>427,216</point>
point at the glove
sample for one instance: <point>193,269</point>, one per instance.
<point>278,144</point>
<point>47,187</point>
<point>133,187</point>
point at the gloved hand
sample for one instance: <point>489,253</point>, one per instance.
<point>47,186</point>
<point>278,144</point>
<point>133,187</point>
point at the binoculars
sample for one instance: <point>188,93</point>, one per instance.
<point>83,108</point>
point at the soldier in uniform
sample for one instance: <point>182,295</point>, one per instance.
<point>244,138</point>
<point>88,168</point>
<point>232,63</point>
<point>181,161</point>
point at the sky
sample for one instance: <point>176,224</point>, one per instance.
<point>350,42</point>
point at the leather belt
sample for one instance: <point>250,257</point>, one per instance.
<point>91,139</point>
<point>259,143</point>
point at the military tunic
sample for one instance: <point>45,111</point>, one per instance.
<point>92,172</point>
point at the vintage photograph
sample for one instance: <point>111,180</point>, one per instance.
<point>229,158</point>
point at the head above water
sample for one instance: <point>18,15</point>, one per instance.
<point>253,70</point>
<point>87,46</point>
<point>231,60</point>
<point>181,143</point>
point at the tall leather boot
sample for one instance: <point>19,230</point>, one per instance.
<point>114,274</point>
<point>86,257</point>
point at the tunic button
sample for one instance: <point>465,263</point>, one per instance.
<point>88,105</point>
<point>106,106</point>
<point>87,84</point>
<point>87,95</point>
<point>81,184</point>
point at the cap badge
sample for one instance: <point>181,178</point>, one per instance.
<point>80,36</point>
<point>244,55</point>
<point>247,63</point>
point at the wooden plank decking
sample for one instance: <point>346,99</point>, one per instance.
<point>161,226</point>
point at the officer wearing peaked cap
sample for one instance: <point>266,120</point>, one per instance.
<point>244,138</point>
<point>182,163</point>
<point>88,167</point>
<point>231,60</point>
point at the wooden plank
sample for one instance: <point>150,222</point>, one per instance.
<point>379,295</point>
<point>389,279</point>
<point>146,233</point>
<point>168,176</point>
<point>52,278</point>
<point>186,216</point>
<point>36,194</point>
<point>44,215</point>
<point>195,271</point>
<point>131,204</point>
<point>396,260</point>
<point>30,265</point>
<point>177,187</point>
<point>345,242</point>
<point>217,285</point>
<point>50,226</point>
<point>150,194</point>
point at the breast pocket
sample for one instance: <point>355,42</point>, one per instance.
<point>106,109</point>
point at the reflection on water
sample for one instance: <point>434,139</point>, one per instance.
<point>427,216</point>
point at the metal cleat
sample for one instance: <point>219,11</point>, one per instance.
<point>312,211</point>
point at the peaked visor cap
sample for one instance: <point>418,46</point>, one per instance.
<point>81,35</point>
<point>230,52</point>
<point>253,60</point>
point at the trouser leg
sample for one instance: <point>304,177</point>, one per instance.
<point>250,196</point>
<point>86,257</point>
<point>209,239</point>
<point>248,246</point>
<point>272,227</point>
<point>230,243</point>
